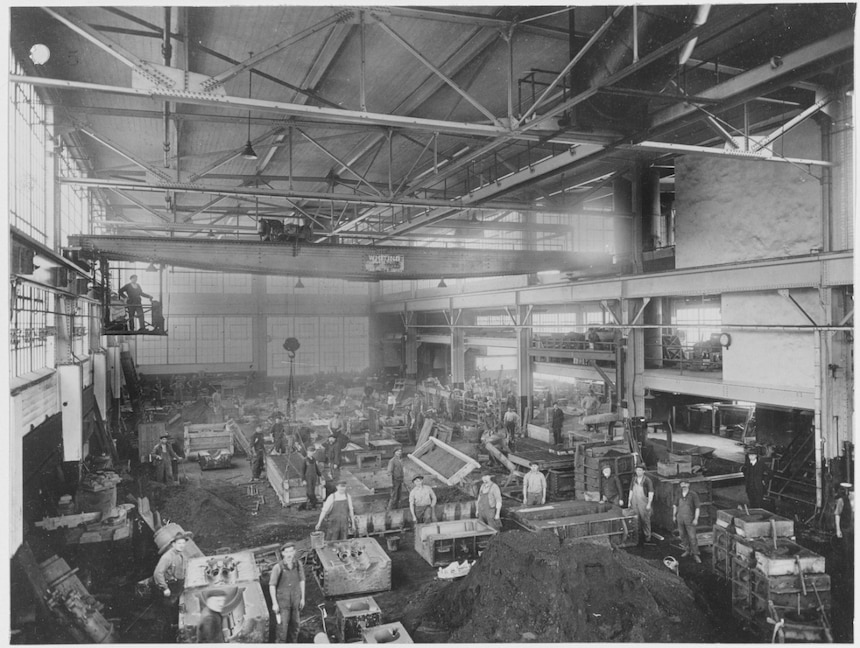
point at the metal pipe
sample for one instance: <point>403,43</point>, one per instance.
<point>700,19</point>
<point>799,328</point>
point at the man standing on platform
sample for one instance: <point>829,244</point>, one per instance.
<point>641,496</point>
<point>287,590</point>
<point>132,293</point>
<point>395,471</point>
<point>511,421</point>
<point>753,471</point>
<point>258,447</point>
<point>685,513</point>
<point>534,487</point>
<point>557,422</point>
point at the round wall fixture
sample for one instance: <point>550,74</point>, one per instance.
<point>40,54</point>
<point>725,340</point>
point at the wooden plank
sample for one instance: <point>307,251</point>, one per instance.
<point>425,432</point>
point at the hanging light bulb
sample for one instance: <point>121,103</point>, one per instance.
<point>249,153</point>
<point>299,283</point>
<point>442,283</point>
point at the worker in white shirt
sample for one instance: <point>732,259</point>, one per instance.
<point>534,486</point>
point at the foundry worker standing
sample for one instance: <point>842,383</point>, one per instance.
<point>395,471</point>
<point>169,574</point>
<point>422,501</point>
<point>163,456</point>
<point>132,293</point>
<point>685,513</point>
<point>217,602</point>
<point>311,477</point>
<point>258,447</point>
<point>338,514</point>
<point>534,486</point>
<point>641,496</point>
<point>490,502</point>
<point>557,422</point>
<point>287,590</point>
<point>610,487</point>
<point>511,421</point>
<point>753,470</point>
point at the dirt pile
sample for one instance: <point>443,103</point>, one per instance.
<point>208,512</point>
<point>533,587</point>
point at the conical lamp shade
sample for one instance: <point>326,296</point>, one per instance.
<point>249,153</point>
<point>299,283</point>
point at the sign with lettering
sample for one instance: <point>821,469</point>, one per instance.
<point>381,262</point>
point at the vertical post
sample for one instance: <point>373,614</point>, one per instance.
<point>510,39</point>
<point>290,169</point>
<point>524,364</point>
<point>361,85</point>
<point>635,33</point>
<point>636,208</point>
<point>390,163</point>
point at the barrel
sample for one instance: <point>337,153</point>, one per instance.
<point>317,540</point>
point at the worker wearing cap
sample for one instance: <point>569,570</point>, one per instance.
<point>163,455</point>
<point>511,421</point>
<point>217,602</point>
<point>685,513</point>
<point>287,590</point>
<point>258,446</point>
<point>279,435</point>
<point>641,496</point>
<point>753,470</point>
<point>311,475</point>
<point>169,574</point>
<point>534,486</point>
<point>489,502</point>
<point>610,487</point>
<point>422,501</point>
<point>395,471</point>
<point>338,513</point>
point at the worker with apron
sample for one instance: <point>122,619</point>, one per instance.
<point>338,513</point>
<point>641,496</point>
<point>490,502</point>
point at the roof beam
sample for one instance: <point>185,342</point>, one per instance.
<point>116,148</point>
<point>473,19</point>
<point>737,154</point>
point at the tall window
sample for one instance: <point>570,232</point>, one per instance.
<point>32,344</point>
<point>553,322</point>
<point>30,165</point>
<point>696,319</point>
<point>74,200</point>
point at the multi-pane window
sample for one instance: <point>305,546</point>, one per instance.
<point>553,322</point>
<point>74,200</point>
<point>32,343</point>
<point>696,319</point>
<point>30,165</point>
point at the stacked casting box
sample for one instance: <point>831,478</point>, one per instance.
<point>354,616</point>
<point>590,458</point>
<point>774,580</point>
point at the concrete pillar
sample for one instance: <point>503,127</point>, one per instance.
<point>637,208</point>
<point>524,364</point>
<point>634,362</point>
<point>458,352</point>
<point>259,329</point>
<point>621,198</point>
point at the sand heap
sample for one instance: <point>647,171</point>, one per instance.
<point>533,587</point>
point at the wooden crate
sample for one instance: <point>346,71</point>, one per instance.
<point>283,473</point>
<point>721,551</point>
<point>441,543</point>
<point>352,566</point>
<point>209,437</point>
<point>447,463</point>
<point>578,519</point>
<point>560,481</point>
<point>762,523</point>
<point>354,615</point>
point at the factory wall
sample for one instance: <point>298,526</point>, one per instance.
<point>224,323</point>
<point>770,358</point>
<point>730,210</point>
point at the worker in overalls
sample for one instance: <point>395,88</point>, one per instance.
<point>287,590</point>
<point>169,578</point>
<point>338,514</point>
<point>490,502</point>
<point>641,496</point>
<point>258,447</point>
<point>163,455</point>
<point>512,422</point>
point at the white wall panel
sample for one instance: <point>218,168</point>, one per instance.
<point>356,343</point>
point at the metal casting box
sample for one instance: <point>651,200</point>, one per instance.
<point>354,616</point>
<point>760,523</point>
<point>352,567</point>
<point>578,519</point>
<point>249,621</point>
<point>441,543</point>
<point>387,633</point>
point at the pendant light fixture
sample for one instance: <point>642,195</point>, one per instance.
<point>249,153</point>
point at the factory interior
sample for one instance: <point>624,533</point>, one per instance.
<point>431,324</point>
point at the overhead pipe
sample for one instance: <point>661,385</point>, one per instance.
<point>786,328</point>
<point>700,19</point>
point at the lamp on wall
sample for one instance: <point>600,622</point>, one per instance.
<point>249,153</point>
<point>442,283</point>
<point>299,283</point>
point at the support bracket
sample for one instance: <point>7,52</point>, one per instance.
<point>785,293</point>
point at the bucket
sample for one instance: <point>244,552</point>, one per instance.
<point>317,540</point>
<point>393,543</point>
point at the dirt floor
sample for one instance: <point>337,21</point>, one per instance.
<point>525,588</point>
